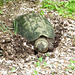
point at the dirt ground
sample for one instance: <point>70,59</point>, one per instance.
<point>19,56</point>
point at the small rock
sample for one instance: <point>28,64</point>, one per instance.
<point>8,40</point>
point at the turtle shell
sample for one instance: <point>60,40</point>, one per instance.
<point>32,26</point>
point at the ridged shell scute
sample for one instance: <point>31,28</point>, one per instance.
<point>32,26</point>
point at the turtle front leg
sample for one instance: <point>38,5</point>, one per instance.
<point>50,44</point>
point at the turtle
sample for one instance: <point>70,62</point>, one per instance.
<point>36,28</point>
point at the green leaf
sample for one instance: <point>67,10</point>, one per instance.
<point>66,69</point>
<point>52,73</point>
<point>45,63</point>
<point>4,26</point>
<point>56,7</point>
<point>71,66</point>
<point>37,63</point>
<point>47,54</point>
<point>13,69</point>
<point>35,72</point>
<point>40,59</point>
<point>2,29</point>
<point>60,13</point>
<point>48,6</point>
<point>1,12</point>
<point>67,3</point>
<point>15,27</point>
<point>42,12</point>
<point>71,61</point>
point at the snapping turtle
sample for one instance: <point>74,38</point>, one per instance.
<point>36,28</point>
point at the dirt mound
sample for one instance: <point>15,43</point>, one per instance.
<point>14,46</point>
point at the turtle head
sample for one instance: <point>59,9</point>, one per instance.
<point>41,45</point>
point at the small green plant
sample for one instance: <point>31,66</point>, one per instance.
<point>45,63</point>
<point>42,12</point>
<point>13,69</point>
<point>47,54</point>
<point>71,66</point>
<point>40,59</point>
<point>35,72</point>
<point>66,9</point>
<point>38,64</point>
<point>15,27</point>
<point>52,73</point>
<point>66,69</point>
<point>3,28</point>
<point>71,61</point>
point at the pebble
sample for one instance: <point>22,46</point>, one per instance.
<point>24,43</point>
<point>3,72</point>
<point>7,40</point>
<point>9,62</point>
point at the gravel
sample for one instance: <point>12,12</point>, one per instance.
<point>19,57</point>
